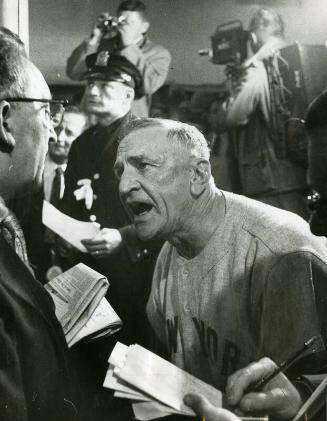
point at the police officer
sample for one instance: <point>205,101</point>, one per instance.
<point>91,194</point>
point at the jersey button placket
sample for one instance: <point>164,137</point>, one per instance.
<point>95,210</point>
<point>185,274</point>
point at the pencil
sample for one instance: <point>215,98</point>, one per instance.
<point>315,344</point>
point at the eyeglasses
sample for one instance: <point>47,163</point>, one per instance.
<point>57,107</point>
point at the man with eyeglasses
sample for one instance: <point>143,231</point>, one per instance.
<point>36,381</point>
<point>31,222</point>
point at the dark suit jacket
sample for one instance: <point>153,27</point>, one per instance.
<point>35,378</point>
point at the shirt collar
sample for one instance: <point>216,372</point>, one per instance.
<point>3,210</point>
<point>222,239</point>
<point>50,166</point>
<point>267,50</point>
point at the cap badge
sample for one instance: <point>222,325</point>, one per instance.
<point>127,78</point>
<point>102,59</point>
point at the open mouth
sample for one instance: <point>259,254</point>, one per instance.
<point>94,102</point>
<point>140,208</point>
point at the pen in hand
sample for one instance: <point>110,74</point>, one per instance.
<point>315,344</point>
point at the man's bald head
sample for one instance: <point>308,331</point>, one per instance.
<point>25,127</point>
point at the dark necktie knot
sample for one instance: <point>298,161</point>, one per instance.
<point>56,187</point>
<point>59,171</point>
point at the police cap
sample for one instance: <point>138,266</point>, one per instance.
<point>113,67</point>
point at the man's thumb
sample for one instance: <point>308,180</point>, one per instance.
<point>197,402</point>
<point>206,411</point>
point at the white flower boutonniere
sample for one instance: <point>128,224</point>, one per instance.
<point>85,192</point>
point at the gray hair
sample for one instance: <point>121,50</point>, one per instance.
<point>9,36</point>
<point>12,79</point>
<point>186,135</point>
<point>268,17</point>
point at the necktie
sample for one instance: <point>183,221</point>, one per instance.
<point>12,232</point>
<point>56,187</point>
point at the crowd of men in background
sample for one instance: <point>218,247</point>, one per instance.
<point>222,285</point>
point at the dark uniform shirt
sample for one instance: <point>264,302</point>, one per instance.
<point>129,270</point>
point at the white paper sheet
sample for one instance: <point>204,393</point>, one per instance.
<point>132,396</point>
<point>145,411</point>
<point>155,386</point>
<point>164,381</point>
<point>112,381</point>
<point>118,355</point>
<point>68,228</point>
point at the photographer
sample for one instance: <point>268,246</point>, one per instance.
<point>126,35</point>
<point>278,181</point>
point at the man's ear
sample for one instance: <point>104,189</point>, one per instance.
<point>201,174</point>
<point>145,27</point>
<point>7,141</point>
<point>130,94</point>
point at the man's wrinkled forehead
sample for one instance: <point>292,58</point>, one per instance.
<point>143,139</point>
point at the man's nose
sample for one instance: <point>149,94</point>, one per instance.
<point>61,135</point>
<point>93,89</point>
<point>52,134</point>
<point>128,183</point>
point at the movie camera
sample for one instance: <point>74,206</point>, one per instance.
<point>229,44</point>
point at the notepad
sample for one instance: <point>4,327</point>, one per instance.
<point>156,387</point>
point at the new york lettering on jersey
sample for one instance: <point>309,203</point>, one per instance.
<point>223,352</point>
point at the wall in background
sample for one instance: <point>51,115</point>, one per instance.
<point>183,26</point>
